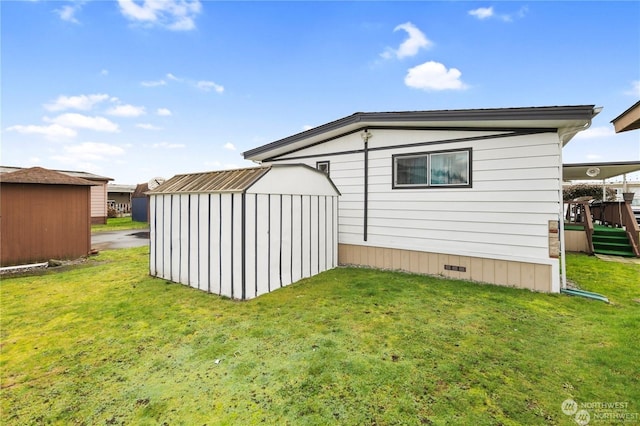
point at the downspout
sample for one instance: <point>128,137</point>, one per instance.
<point>563,263</point>
<point>366,135</point>
<point>562,135</point>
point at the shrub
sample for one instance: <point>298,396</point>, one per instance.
<point>587,190</point>
<point>111,212</point>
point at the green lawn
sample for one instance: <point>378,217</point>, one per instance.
<point>119,223</point>
<point>106,344</point>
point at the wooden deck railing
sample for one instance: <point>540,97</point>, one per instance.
<point>620,215</point>
<point>579,213</point>
<point>120,208</point>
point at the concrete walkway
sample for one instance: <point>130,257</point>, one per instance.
<point>119,239</point>
<point>620,259</point>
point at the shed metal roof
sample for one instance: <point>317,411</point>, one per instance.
<point>39,175</point>
<point>237,180</point>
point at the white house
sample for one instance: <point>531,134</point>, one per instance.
<point>473,194</point>
<point>242,233</point>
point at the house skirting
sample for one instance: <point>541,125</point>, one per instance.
<point>533,276</point>
<point>576,241</point>
<point>98,220</point>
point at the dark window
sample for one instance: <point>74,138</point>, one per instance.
<point>433,169</point>
<point>323,166</point>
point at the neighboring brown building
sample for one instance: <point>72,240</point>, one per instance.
<point>98,191</point>
<point>43,215</point>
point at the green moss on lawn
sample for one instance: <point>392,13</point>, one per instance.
<point>107,344</point>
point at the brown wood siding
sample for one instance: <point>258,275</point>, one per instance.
<point>42,222</point>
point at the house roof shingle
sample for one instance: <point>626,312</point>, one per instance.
<point>83,175</point>
<point>39,175</point>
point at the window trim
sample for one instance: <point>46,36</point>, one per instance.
<point>321,163</point>
<point>429,185</point>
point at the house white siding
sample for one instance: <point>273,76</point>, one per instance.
<point>504,215</point>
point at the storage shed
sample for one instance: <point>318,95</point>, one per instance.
<point>98,191</point>
<point>140,203</point>
<point>243,233</point>
<point>43,215</point>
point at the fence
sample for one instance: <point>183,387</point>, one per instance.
<point>118,209</point>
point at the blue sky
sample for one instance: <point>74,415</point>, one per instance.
<point>137,89</point>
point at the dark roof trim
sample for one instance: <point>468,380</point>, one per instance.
<point>576,112</point>
<point>628,120</point>
<point>510,133</point>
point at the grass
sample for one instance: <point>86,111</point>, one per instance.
<point>107,344</point>
<point>119,223</point>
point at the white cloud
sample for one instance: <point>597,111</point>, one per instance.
<point>148,126</point>
<point>175,15</point>
<point>482,12</point>
<point>635,89</point>
<point>434,76</point>
<point>68,12</point>
<point>598,132</point>
<point>104,72</point>
<point>75,120</point>
<point>229,146</point>
<point>411,46</point>
<point>93,151</point>
<point>80,102</point>
<point>52,131</point>
<point>209,85</point>
<point>488,12</point>
<point>154,83</point>
<point>307,127</point>
<point>212,163</point>
<point>127,111</point>
<point>167,145</point>
<point>173,77</point>
<point>163,111</point>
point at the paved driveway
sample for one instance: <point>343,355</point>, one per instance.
<point>119,239</point>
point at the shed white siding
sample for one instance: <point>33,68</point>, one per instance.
<point>504,215</point>
<point>247,243</point>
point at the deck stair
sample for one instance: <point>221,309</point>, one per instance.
<point>611,241</point>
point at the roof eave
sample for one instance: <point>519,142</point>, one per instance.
<point>556,117</point>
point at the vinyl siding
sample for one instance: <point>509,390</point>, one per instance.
<point>504,215</point>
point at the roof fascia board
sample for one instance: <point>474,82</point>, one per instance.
<point>368,119</point>
<point>511,132</point>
